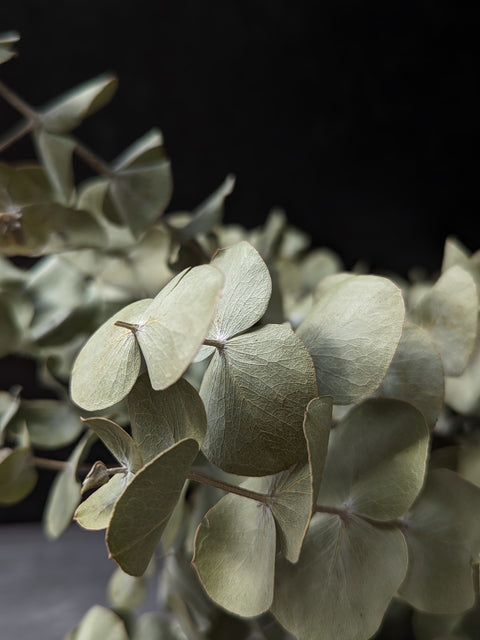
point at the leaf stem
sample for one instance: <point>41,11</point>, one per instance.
<point>127,325</point>
<point>55,465</point>
<point>18,103</point>
<point>219,344</point>
<point>346,515</point>
<point>93,161</point>
<point>198,476</point>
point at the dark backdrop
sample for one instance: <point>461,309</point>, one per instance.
<point>359,118</point>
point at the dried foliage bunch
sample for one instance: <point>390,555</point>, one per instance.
<point>291,448</point>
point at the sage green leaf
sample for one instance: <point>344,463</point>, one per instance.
<point>141,184</point>
<point>10,334</point>
<point>51,424</point>
<point>347,574</point>
<point>255,392</point>
<point>416,373</point>
<point>160,419</point>
<point>376,459</point>
<point>56,152</point>
<point>152,626</point>
<point>17,476</point>
<point>176,323</point>
<point>109,363</point>
<point>294,491</point>
<point>462,393</point>
<point>100,623</point>
<point>456,254</point>
<point>126,592</point>
<point>443,540</point>
<point>7,40</point>
<point>96,511</point>
<point>235,555</point>
<point>449,312</point>
<point>175,521</point>
<point>64,494</point>
<point>9,404</point>
<point>118,442</point>
<point>142,511</point>
<point>245,294</point>
<point>352,333</point>
<point>210,213</point>
<point>67,112</point>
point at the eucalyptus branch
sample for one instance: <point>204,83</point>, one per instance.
<point>55,465</point>
<point>198,476</point>
<point>92,159</point>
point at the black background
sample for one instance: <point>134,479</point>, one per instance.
<point>360,119</point>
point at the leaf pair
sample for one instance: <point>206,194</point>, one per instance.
<point>167,331</point>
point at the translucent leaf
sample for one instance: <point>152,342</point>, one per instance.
<point>376,459</point>
<point>416,373</point>
<point>118,441</point>
<point>210,213</point>
<point>96,511</point>
<point>352,333</point>
<point>64,494</point>
<point>7,40</point>
<point>347,574</point>
<point>51,424</point>
<point>109,363</point>
<point>449,312</point>
<point>141,186</point>
<point>235,555</point>
<point>56,155</point>
<point>67,112</point>
<point>443,539</point>
<point>294,492</point>
<point>17,476</point>
<point>142,511</point>
<point>160,419</point>
<point>100,623</point>
<point>245,294</point>
<point>126,592</point>
<point>255,392</point>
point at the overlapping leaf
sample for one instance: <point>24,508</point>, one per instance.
<point>352,333</point>
<point>17,476</point>
<point>99,623</point>
<point>443,541</point>
<point>167,331</point>
<point>118,441</point>
<point>56,152</point>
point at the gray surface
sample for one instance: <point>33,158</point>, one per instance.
<point>47,586</point>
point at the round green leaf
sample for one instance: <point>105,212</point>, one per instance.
<point>462,393</point>
<point>176,323</point>
<point>160,419</point>
<point>96,511</point>
<point>126,592</point>
<point>443,540</point>
<point>51,424</point>
<point>235,555</point>
<point>255,392</point>
<point>352,332</point>
<point>56,154</point>
<point>118,441</point>
<point>376,459</point>
<point>17,476</point>
<point>143,509</point>
<point>100,623</point>
<point>347,574</point>
<point>416,373</point>
<point>108,365</point>
<point>449,312</point>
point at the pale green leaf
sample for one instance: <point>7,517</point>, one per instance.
<point>376,459</point>
<point>142,511</point>
<point>352,333</point>
<point>56,152</point>
<point>7,40</point>
<point>347,574</point>
<point>462,393</point>
<point>443,540</point>
<point>255,392</point>
<point>50,423</point>
<point>10,335</point>
<point>9,404</point>
<point>64,495</point>
<point>17,476</point>
<point>118,441</point>
<point>126,592</point>
<point>416,373</point>
<point>235,555</point>
<point>160,419</point>
<point>152,626</point>
<point>210,212</point>
<point>67,112</point>
<point>449,312</point>
<point>100,623</point>
<point>96,511</point>
<point>108,365</point>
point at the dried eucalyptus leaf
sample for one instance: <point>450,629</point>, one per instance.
<point>151,626</point>
<point>17,476</point>
<point>235,555</point>
<point>126,592</point>
<point>462,393</point>
<point>376,459</point>
<point>96,511</point>
<point>443,540</point>
<point>160,419</point>
<point>66,112</point>
<point>255,392</point>
<point>346,577</point>
<point>118,441</point>
<point>210,213</point>
<point>449,312</point>
<point>143,509</point>
<point>9,404</point>
<point>10,334</point>
<point>51,424</point>
<point>100,623</point>
<point>7,40</point>
<point>56,151</point>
